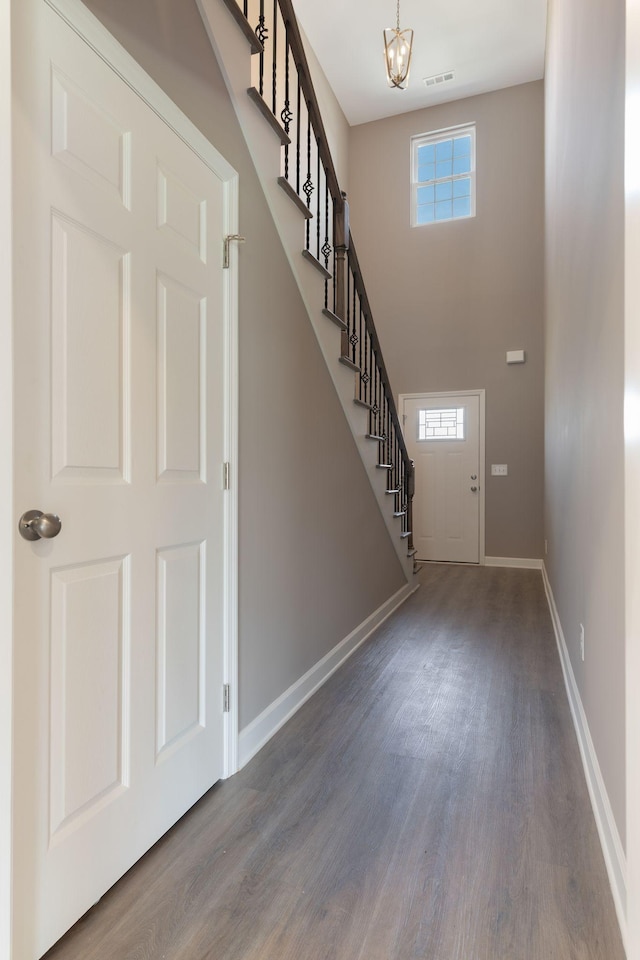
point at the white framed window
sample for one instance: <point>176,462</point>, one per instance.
<point>443,175</point>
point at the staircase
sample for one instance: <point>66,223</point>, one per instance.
<point>261,53</point>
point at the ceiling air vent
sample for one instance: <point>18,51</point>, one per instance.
<point>439,78</point>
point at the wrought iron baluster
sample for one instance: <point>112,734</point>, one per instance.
<point>262,33</point>
<point>367,370</point>
<point>335,273</point>
<point>372,401</point>
<point>348,316</point>
<point>308,184</point>
<point>361,383</point>
<point>392,458</point>
<point>396,470</point>
<point>392,445</point>
<point>318,199</point>
<point>326,246</point>
<point>405,499</point>
<point>376,397</point>
<point>396,454</point>
<point>353,339</point>
<point>403,506</point>
<point>358,348</point>
<point>274,66</point>
<point>286,116</point>
<point>385,430</point>
<point>369,394</point>
<point>245,7</point>
<point>298,135</point>
<point>378,406</point>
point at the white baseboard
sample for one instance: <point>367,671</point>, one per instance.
<point>612,849</point>
<point>259,731</point>
<point>519,562</point>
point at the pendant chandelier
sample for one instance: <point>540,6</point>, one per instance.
<point>397,53</point>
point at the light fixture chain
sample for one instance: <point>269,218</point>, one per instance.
<point>398,15</point>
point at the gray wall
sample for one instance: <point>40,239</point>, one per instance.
<point>315,556</point>
<point>450,299</point>
<point>585,360</point>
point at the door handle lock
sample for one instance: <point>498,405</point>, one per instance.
<point>474,476</point>
<point>36,525</point>
<point>474,489</point>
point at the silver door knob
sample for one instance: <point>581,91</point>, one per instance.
<point>474,476</point>
<point>35,525</point>
<point>473,489</point>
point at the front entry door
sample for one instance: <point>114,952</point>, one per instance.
<point>120,417</point>
<point>443,439</point>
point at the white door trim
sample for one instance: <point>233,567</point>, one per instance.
<point>108,49</point>
<point>480,393</point>
<point>6,483</point>
<point>632,476</point>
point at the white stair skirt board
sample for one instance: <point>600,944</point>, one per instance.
<point>520,562</point>
<point>259,731</point>
<point>612,849</point>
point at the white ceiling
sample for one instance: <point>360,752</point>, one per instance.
<point>488,43</point>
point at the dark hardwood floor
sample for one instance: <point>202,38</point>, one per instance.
<point>428,803</point>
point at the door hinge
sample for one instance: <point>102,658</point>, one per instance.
<point>226,476</point>
<point>226,698</point>
<point>227,240</point>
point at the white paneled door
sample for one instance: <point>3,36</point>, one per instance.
<point>442,434</point>
<point>121,406</point>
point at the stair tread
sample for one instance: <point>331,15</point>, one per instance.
<point>405,534</point>
<point>299,202</point>
<point>400,513</point>
<point>393,491</point>
<point>362,403</point>
<point>384,466</point>
<point>316,263</point>
<point>334,318</point>
<point>373,436</point>
<point>277,128</point>
<point>245,26</point>
<point>349,363</point>
<point>412,553</point>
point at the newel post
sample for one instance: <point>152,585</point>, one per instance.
<point>341,247</point>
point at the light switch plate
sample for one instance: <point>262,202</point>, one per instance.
<point>499,470</point>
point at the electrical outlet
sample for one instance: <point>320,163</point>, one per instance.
<point>582,642</point>
<point>499,470</point>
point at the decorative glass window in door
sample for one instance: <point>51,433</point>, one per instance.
<point>445,424</point>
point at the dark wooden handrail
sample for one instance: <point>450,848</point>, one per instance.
<point>332,227</point>
<point>302,65</point>
<point>373,334</point>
